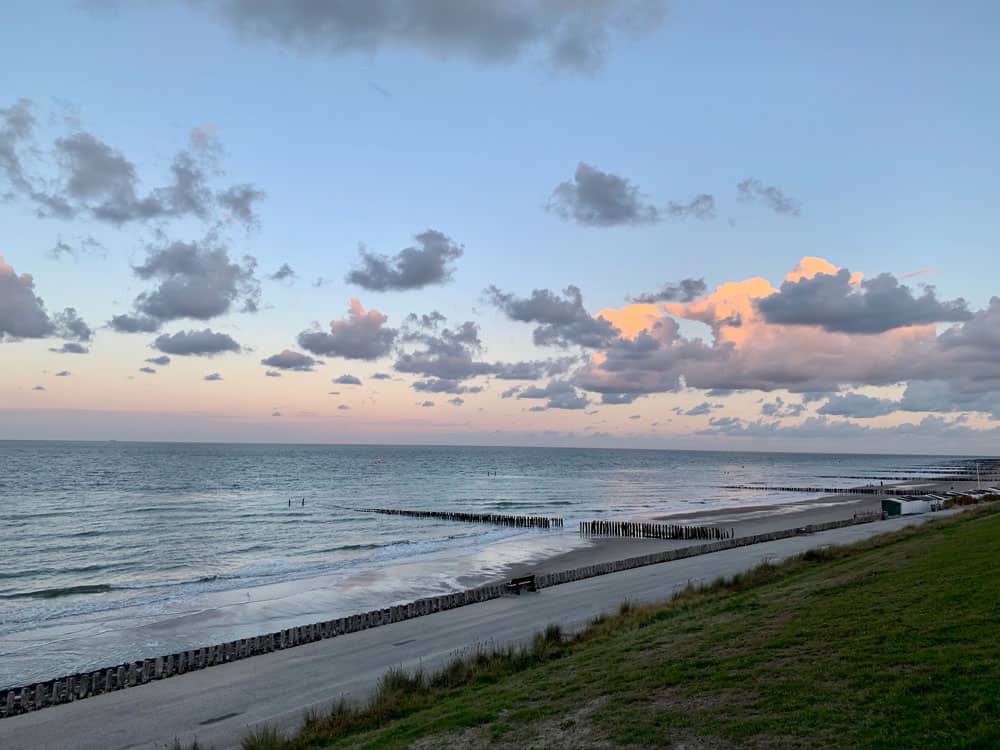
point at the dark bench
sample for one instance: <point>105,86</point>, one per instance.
<point>516,584</point>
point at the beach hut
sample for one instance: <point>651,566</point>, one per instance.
<point>905,506</point>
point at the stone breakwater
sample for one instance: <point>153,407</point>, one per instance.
<point>19,700</point>
<point>499,519</point>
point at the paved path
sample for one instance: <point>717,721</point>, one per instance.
<point>217,705</point>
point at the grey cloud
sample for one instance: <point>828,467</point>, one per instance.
<point>239,201</point>
<point>147,370</point>
<point>205,343</point>
<point>343,407</point>
<point>780,408</point>
<point>22,312</point>
<point>513,390</point>
<point>290,360</point>
<point>412,268</point>
<point>559,394</point>
<point>702,207</point>
<point>275,413</point>
<point>533,369</point>
<point>85,246</point>
<point>686,290</point>
<point>134,324</point>
<point>858,406</point>
<point>63,374</point>
<point>881,304</point>
<point>272,374</point>
<point>212,376</point>
<point>457,401</point>
<point>362,335</point>
<point>347,380</point>
<point>697,411</point>
<point>562,321</point>
<point>601,199</point>
<point>443,385</point>
<point>945,396</point>
<point>284,273</point>
<point>426,404</point>
<point>196,280</point>
<point>69,325</point>
<point>71,347</point>
<point>38,388</point>
<point>93,179</point>
<point>752,189</point>
<point>17,124</point>
<point>572,36</point>
<point>618,398</point>
<point>163,360</point>
<point>381,376</point>
<point>449,354</point>
<point>635,416</point>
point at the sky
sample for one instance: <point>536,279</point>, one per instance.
<point>608,223</point>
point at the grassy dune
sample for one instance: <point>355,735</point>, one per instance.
<point>892,643</point>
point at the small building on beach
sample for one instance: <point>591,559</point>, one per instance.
<point>906,506</point>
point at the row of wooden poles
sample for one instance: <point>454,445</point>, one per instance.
<point>822,490</point>
<point>646,530</point>
<point>500,519</point>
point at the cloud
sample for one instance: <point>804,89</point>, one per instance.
<point>284,273</point>
<point>571,36</point>
<point>86,246</point>
<point>343,407</point>
<point>70,347</point>
<point>697,411</point>
<point>601,199</point>
<point>752,189</point>
<point>90,178</point>
<point>275,413</point>
<point>779,408</point>
<point>512,391</point>
<point>411,268</point>
<point>290,360</point>
<point>212,377</point>
<point>440,385</point>
<point>701,206</point>
<point>23,313</point>
<point>457,401</point>
<point>361,335</point>
<point>38,388</point>
<point>749,352</point>
<point>618,398</point>
<point>858,406</point>
<point>204,343</point>
<point>426,404</point>
<point>686,290</point>
<point>134,324</point>
<point>635,416</point>
<point>347,380</point>
<point>562,321</point>
<point>239,201</point>
<point>448,353</point>
<point>835,304</point>
<point>163,360</point>
<point>196,280</point>
<point>946,396</point>
<point>272,374</point>
<point>63,374</point>
<point>381,376</point>
<point>147,370</point>
<point>533,369</point>
<point>559,394</point>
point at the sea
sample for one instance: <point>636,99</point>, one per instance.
<point>113,551</point>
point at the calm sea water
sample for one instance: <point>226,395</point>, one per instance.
<point>111,551</point>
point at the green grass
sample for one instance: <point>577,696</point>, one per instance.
<point>891,643</point>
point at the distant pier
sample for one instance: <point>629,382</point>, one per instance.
<point>498,519</point>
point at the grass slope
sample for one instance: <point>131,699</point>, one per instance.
<point>891,643</point>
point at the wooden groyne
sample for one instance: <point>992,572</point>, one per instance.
<point>822,490</point>
<point>644,530</point>
<point>498,519</point>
